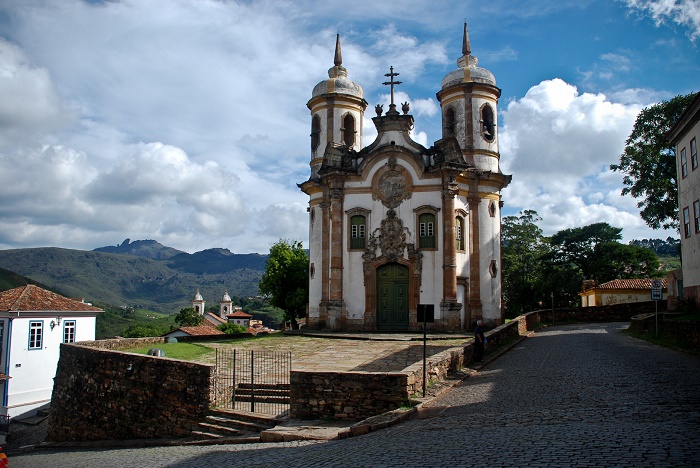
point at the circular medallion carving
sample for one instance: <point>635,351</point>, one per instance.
<point>392,185</point>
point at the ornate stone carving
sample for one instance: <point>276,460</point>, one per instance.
<point>392,187</point>
<point>390,239</point>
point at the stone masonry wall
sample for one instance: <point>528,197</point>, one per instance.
<point>103,394</point>
<point>346,395</point>
<point>359,395</point>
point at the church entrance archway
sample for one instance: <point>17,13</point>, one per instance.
<point>392,297</point>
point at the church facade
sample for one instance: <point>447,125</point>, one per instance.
<point>395,226</point>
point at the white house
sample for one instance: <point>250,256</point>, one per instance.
<point>33,324</point>
<point>684,136</point>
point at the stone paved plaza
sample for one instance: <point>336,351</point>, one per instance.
<point>344,352</point>
<point>576,395</point>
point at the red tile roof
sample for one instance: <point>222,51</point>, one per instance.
<point>629,284</point>
<point>34,298</point>
<point>239,314</point>
<point>215,319</point>
<point>204,329</point>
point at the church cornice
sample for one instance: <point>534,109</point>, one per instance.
<point>468,88</point>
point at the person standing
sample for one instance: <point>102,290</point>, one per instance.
<point>479,340</point>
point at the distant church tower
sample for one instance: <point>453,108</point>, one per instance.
<point>198,303</point>
<point>225,305</point>
<point>395,225</point>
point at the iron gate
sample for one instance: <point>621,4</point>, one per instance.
<point>255,381</point>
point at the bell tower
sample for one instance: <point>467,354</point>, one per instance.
<point>337,107</point>
<point>469,103</point>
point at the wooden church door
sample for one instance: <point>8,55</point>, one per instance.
<point>392,297</point>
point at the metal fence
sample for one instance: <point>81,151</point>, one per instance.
<point>255,381</point>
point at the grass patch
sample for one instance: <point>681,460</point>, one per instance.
<point>184,351</point>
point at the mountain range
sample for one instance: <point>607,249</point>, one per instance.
<point>140,274</point>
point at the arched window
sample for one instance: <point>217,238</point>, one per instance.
<point>449,124</point>
<point>315,132</point>
<point>488,123</point>
<point>459,233</point>
<point>358,231</point>
<point>426,231</point>
<point>348,130</point>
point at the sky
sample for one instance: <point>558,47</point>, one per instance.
<point>185,121</point>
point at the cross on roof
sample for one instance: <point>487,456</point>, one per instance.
<point>391,82</point>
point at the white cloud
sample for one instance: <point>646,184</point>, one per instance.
<point>29,104</point>
<point>559,144</point>
<point>684,13</point>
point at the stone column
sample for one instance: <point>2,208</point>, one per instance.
<point>474,252</point>
<point>336,244</point>
<point>325,261</point>
<point>449,258</point>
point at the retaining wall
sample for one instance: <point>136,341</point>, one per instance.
<point>359,395</point>
<point>102,394</point>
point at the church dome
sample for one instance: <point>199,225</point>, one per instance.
<point>337,81</point>
<point>198,297</point>
<point>226,297</point>
<point>468,68</point>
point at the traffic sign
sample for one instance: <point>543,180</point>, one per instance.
<point>656,295</point>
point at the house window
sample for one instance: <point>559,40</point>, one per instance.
<point>693,154</point>
<point>348,130</point>
<point>426,231</point>
<point>2,334</point>
<point>684,164</point>
<point>36,335</point>
<point>69,331</point>
<point>686,222</point>
<point>315,132</point>
<point>459,233</point>
<point>358,229</point>
<point>696,213</point>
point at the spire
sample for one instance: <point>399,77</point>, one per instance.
<point>338,60</point>
<point>337,71</point>
<point>466,47</point>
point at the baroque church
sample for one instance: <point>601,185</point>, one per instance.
<point>394,226</point>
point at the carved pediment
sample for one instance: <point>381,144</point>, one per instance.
<point>389,242</point>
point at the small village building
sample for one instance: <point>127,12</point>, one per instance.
<point>206,329</point>
<point>684,136</point>
<point>619,291</point>
<point>239,318</point>
<point>395,225</point>
<point>33,324</point>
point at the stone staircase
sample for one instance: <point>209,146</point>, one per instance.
<point>227,425</point>
<point>264,393</point>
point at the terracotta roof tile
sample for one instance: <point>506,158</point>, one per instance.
<point>34,298</point>
<point>204,329</point>
<point>629,284</point>
<point>239,314</point>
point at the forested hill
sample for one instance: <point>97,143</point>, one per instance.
<point>139,281</point>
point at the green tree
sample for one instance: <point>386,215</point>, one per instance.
<point>576,246</point>
<point>141,330</point>
<point>523,245</point>
<point>286,279</point>
<point>188,317</point>
<point>612,260</point>
<point>231,328</point>
<point>649,163</point>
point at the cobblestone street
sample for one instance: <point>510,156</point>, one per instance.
<point>573,395</point>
